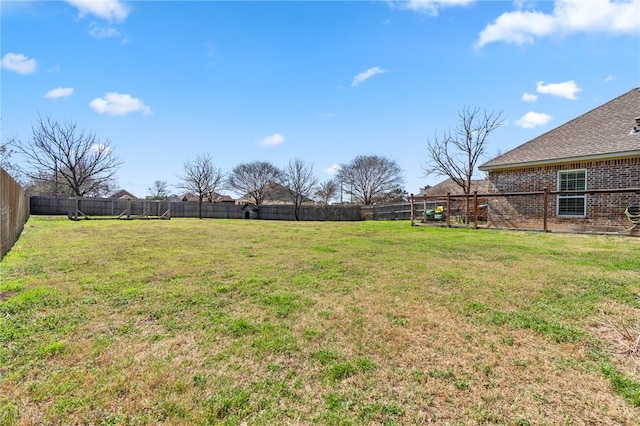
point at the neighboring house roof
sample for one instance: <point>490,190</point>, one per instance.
<point>277,193</point>
<point>124,195</point>
<point>604,132</point>
<point>219,198</point>
<point>189,196</point>
<point>449,186</point>
<point>215,197</point>
<point>274,194</point>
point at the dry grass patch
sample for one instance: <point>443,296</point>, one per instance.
<point>618,326</point>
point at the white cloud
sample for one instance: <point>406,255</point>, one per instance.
<point>568,16</point>
<point>98,31</point>
<point>17,62</point>
<point>366,75</point>
<point>567,89</point>
<point>332,170</point>
<point>272,140</point>
<point>60,92</point>
<point>531,120</point>
<point>529,97</point>
<point>609,78</point>
<point>109,10</point>
<point>119,104</point>
<point>516,27</point>
<point>523,4</point>
<point>430,7</point>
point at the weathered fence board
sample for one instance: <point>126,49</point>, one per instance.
<point>14,211</point>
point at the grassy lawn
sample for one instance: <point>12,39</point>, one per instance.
<point>251,322</point>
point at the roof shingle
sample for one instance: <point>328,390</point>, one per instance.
<point>449,186</point>
<point>603,131</point>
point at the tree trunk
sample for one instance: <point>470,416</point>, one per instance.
<point>296,211</point>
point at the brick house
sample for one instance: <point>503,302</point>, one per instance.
<point>596,151</point>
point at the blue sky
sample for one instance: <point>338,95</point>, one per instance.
<point>323,81</point>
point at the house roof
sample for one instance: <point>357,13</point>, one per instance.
<point>190,196</point>
<point>275,193</point>
<point>604,132</point>
<point>215,197</point>
<point>449,186</point>
<point>123,194</point>
<point>219,198</point>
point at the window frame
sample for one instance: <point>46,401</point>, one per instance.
<point>567,197</point>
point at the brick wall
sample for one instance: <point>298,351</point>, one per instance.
<point>605,212</point>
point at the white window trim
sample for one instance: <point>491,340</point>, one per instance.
<point>584,196</point>
<point>559,197</point>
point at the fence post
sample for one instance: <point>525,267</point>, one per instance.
<point>449,209</point>
<point>545,204</point>
<point>475,209</point>
<point>424,211</point>
<point>412,204</point>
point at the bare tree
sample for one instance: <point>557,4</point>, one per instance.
<point>254,179</point>
<point>327,191</point>
<point>397,195</point>
<point>456,153</point>
<point>298,179</point>
<point>369,178</point>
<point>44,185</point>
<point>63,156</point>
<point>159,190</point>
<point>5,153</point>
<point>201,177</point>
<point>6,163</point>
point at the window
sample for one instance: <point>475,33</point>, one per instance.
<point>572,205</point>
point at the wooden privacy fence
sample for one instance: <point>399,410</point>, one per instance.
<point>14,211</point>
<point>598,210</point>
<point>96,208</point>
